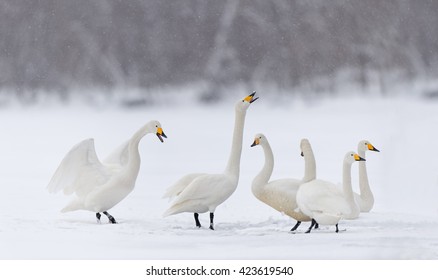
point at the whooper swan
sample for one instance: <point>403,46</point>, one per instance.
<point>99,186</point>
<point>199,193</point>
<point>325,202</point>
<point>366,198</point>
<point>281,194</point>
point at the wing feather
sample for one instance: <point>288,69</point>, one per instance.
<point>119,156</point>
<point>327,198</point>
<point>80,171</point>
<point>180,185</point>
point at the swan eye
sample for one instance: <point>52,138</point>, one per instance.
<point>352,155</point>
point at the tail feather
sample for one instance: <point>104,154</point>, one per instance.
<point>174,209</point>
<point>193,206</point>
<point>169,212</point>
<point>73,206</point>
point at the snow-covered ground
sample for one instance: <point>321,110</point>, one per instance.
<point>404,178</point>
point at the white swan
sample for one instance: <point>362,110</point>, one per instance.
<point>366,198</point>
<point>281,194</point>
<point>199,193</point>
<point>100,186</point>
<point>180,185</point>
<point>326,203</point>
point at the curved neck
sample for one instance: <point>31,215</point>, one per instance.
<point>265,174</point>
<point>347,188</point>
<point>309,165</point>
<point>134,155</point>
<point>233,165</point>
<point>364,186</point>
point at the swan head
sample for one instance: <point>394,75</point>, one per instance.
<point>351,157</point>
<point>243,105</point>
<point>155,127</point>
<point>305,146</point>
<point>259,139</point>
<point>366,145</point>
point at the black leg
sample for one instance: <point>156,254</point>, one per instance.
<point>110,218</point>
<point>98,217</point>
<point>198,224</point>
<point>316,226</point>
<point>337,230</point>
<point>296,226</point>
<point>311,226</point>
<point>211,220</point>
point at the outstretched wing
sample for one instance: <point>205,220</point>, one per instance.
<point>80,171</point>
<point>119,156</point>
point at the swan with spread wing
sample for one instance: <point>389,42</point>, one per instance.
<point>99,186</point>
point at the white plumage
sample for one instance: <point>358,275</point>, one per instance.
<point>199,193</point>
<point>99,186</point>
<point>325,202</point>
<point>365,199</point>
<point>281,194</point>
<point>174,190</point>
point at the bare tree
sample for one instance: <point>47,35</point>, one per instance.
<point>57,45</point>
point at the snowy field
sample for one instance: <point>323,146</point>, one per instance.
<point>403,177</point>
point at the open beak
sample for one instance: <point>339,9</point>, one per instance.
<point>255,143</point>
<point>358,158</point>
<point>160,134</point>
<point>372,148</point>
<point>250,98</point>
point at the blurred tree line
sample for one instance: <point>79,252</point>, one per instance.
<point>57,45</point>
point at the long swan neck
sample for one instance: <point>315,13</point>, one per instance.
<point>134,155</point>
<point>233,166</point>
<point>347,188</point>
<point>364,185</point>
<point>346,181</point>
<point>265,174</point>
<point>309,165</point>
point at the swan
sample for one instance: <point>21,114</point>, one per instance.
<point>281,194</point>
<point>174,190</point>
<point>326,203</point>
<point>199,193</point>
<point>365,199</point>
<point>99,186</point>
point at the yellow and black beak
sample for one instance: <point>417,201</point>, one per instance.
<point>256,142</point>
<point>372,148</point>
<point>358,158</point>
<point>250,98</point>
<point>160,134</point>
